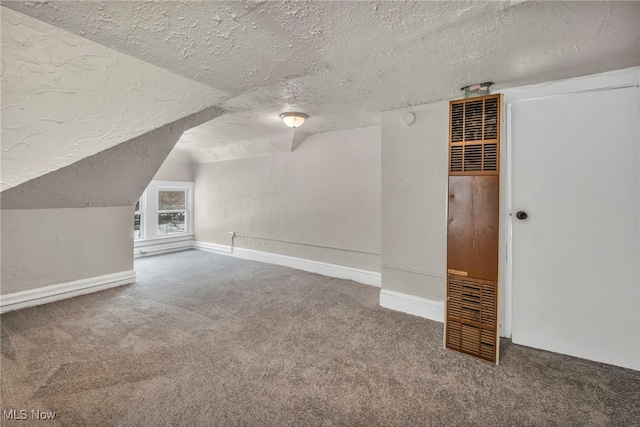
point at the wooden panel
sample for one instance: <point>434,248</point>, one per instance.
<point>474,225</point>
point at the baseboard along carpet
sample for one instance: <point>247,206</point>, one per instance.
<point>208,340</point>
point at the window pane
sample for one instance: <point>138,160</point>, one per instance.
<point>136,225</point>
<point>171,223</point>
<point>137,208</point>
<point>171,200</point>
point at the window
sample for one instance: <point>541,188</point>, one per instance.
<point>137,221</point>
<point>171,212</point>
<point>164,211</point>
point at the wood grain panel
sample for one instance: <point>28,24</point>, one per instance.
<point>473,229</point>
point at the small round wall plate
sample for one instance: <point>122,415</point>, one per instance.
<point>409,118</point>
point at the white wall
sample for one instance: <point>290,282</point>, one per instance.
<point>320,202</point>
<point>43,247</point>
<point>113,177</point>
<point>414,201</point>
<point>176,167</point>
<point>65,98</point>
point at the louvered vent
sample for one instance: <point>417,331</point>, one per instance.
<point>474,158</point>
<point>474,136</point>
<point>471,316</point>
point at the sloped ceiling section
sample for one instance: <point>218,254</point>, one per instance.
<point>237,138</point>
<point>342,62</point>
<point>65,98</point>
<point>116,176</point>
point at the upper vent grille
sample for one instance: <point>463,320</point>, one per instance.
<point>474,119</point>
<point>475,135</point>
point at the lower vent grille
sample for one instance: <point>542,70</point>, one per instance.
<point>472,316</point>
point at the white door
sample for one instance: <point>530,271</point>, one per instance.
<point>576,257</point>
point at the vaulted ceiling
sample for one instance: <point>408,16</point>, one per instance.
<point>342,62</point>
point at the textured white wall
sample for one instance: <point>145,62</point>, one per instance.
<point>414,201</point>
<point>113,177</point>
<point>43,247</point>
<point>325,193</point>
<point>65,98</point>
<point>175,167</point>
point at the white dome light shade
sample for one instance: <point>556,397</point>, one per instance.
<point>293,120</point>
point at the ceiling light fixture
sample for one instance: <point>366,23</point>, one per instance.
<point>293,120</point>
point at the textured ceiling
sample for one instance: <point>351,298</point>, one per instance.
<point>343,62</point>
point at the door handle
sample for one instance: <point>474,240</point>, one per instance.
<point>521,215</point>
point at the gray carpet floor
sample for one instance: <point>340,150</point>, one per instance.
<point>209,340</point>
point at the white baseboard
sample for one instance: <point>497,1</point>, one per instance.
<point>333,270</point>
<point>212,247</point>
<point>429,309</point>
<point>161,248</point>
<point>47,294</point>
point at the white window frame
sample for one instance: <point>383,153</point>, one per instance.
<point>187,208</point>
<point>149,216</point>
<point>143,215</point>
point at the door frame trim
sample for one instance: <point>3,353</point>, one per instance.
<point>618,79</point>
